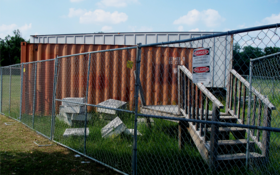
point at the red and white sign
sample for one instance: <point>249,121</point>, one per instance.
<point>201,69</point>
<point>201,66</point>
<point>201,52</point>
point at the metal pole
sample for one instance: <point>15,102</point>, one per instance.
<point>225,63</point>
<point>137,83</point>
<point>10,91</point>
<point>248,116</point>
<point>86,100</point>
<point>21,92</point>
<point>54,96</point>
<point>1,71</point>
<point>273,79</point>
<point>34,94</point>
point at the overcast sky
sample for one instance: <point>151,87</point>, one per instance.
<point>89,16</point>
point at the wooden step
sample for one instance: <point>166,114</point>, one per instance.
<point>231,146</point>
<point>238,156</point>
<point>226,118</point>
<point>238,133</point>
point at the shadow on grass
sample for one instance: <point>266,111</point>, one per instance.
<point>39,162</point>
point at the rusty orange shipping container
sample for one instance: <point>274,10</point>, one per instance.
<point>110,75</point>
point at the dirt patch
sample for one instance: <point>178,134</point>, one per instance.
<point>20,155</point>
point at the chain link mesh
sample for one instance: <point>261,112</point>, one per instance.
<point>182,127</point>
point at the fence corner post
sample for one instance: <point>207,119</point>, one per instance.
<point>54,96</point>
<point>137,83</point>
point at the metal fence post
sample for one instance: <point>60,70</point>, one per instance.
<point>21,86</point>
<point>137,83</point>
<point>10,93</point>
<point>225,62</point>
<point>54,96</point>
<point>1,89</point>
<point>86,101</point>
<point>273,79</point>
<point>34,94</point>
<point>249,115</point>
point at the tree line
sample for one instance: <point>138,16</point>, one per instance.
<point>10,49</point>
<point>242,56</point>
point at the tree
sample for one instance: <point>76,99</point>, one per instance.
<point>242,56</point>
<point>10,49</point>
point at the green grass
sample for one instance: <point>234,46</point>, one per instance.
<point>157,148</point>
<point>19,154</point>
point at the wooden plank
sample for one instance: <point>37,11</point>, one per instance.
<point>202,114</point>
<point>235,96</point>
<point>214,138</point>
<point>254,113</point>
<point>206,118</point>
<point>198,143</point>
<point>239,99</point>
<point>202,88</point>
<point>186,94</point>
<point>228,92</point>
<point>232,142</point>
<point>179,89</point>
<point>266,134</point>
<point>197,108</point>
<point>182,133</point>
<point>193,102</point>
<point>254,91</point>
<point>231,92</point>
<point>244,104</point>
<point>189,97</point>
<point>259,120</point>
<point>238,156</point>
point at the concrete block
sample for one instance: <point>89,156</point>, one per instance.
<point>72,109</point>
<point>131,132</point>
<point>114,128</point>
<point>144,121</point>
<point>75,99</point>
<point>70,118</point>
<point>111,103</point>
<point>75,132</point>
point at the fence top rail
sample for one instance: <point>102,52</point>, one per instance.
<point>254,91</point>
<point>263,57</point>
<point>232,32</point>
<point>203,89</point>
<point>12,65</point>
<point>98,51</point>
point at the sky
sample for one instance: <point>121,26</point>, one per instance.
<point>38,17</point>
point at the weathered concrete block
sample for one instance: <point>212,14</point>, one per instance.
<point>105,116</point>
<point>114,128</point>
<point>72,109</point>
<point>70,118</point>
<point>131,132</point>
<point>75,132</point>
<point>111,103</point>
<point>74,99</point>
<point>144,121</point>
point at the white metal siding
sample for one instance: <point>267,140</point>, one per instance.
<point>219,58</point>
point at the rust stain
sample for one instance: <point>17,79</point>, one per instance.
<point>109,76</point>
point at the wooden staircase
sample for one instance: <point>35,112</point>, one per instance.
<point>219,146</point>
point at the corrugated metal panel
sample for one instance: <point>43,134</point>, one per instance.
<point>110,77</point>
<point>116,38</point>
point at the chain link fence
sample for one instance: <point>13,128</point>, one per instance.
<point>140,110</point>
